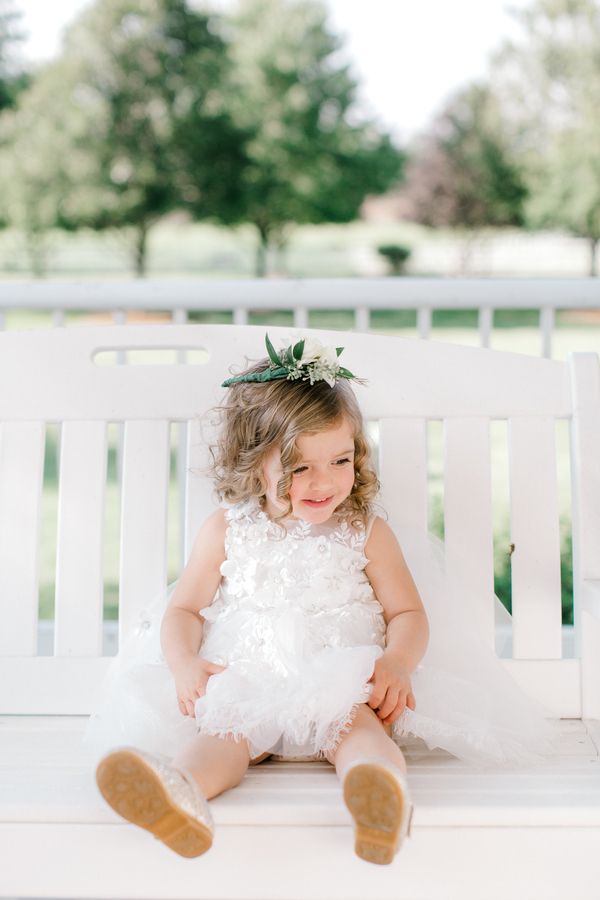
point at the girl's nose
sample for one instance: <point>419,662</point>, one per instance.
<point>320,481</point>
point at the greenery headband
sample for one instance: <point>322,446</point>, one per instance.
<point>308,360</point>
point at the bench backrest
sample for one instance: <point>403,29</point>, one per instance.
<point>57,376</point>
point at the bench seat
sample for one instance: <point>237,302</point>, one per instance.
<point>541,825</point>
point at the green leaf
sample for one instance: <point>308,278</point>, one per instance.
<point>339,350</point>
<point>345,373</point>
<point>272,352</point>
<point>298,349</point>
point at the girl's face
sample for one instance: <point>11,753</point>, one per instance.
<point>322,479</point>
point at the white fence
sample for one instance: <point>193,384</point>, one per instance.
<point>362,296</point>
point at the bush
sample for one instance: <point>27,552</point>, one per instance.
<point>396,255</point>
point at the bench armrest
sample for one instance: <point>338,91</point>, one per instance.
<point>590,597</point>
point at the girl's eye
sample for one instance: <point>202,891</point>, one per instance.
<point>299,470</point>
<point>341,462</point>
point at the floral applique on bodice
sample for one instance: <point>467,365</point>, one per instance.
<point>313,574</point>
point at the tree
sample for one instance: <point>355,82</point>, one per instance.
<point>309,158</point>
<point>13,79</point>
<point>12,76</point>
<point>462,173</point>
<point>107,127</point>
<point>548,80</point>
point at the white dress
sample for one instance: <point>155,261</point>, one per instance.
<point>299,628</point>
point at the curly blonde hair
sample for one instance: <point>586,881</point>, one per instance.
<point>256,417</point>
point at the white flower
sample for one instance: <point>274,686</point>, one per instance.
<point>313,350</point>
<point>317,363</point>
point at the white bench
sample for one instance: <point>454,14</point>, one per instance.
<point>285,833</point>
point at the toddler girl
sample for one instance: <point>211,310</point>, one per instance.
<point>296,630</point>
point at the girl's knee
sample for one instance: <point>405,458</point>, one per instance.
<point>364,719</point>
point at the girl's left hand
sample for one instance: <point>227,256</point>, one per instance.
<point>392,689</point>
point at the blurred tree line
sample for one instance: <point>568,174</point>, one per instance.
<point>154,106</point>
<point>252,117</point>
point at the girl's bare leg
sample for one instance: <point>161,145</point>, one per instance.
<point>367,736</point>
<point>217,763</point>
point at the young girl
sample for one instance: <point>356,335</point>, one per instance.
<point>297,630</point>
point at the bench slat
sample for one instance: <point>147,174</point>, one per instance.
<point>403,471</point>
<point>79,561</point>
<point>534,522</point>
<point>468,526</point>
<point>198,488</point>
<point>143,569</point>
<point>21,479</point>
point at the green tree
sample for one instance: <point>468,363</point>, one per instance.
<point>108,127</point>
<point>309,158</point>
<point>463,173</point>
<point>548,79</point>
<point>13,78</point>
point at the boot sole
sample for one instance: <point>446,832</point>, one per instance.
<point>377,805</point>
<point>136,793</point>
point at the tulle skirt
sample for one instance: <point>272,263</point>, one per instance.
<point>466,701</point>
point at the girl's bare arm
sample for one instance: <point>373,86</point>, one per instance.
<point>181,628</point>
<point>407,633</point>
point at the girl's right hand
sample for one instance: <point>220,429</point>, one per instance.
<point>191,676</point>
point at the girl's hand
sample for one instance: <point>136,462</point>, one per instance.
<point>392,689</point>
<point>191,676</point>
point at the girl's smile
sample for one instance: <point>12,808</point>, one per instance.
<point>322,479</point>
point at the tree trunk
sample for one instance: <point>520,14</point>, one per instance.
<point>260,269</point>
<point>466,249</point>
<point>140,249</point>
<point>593,245</point>
<point>36,251</point>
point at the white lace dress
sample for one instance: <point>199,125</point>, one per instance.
<point>298,627</point>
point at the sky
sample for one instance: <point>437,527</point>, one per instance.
<point>407,56</point>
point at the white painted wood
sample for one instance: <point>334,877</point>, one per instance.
<point>534,523</point>
<point>590,648</point>
<point>50,686</point>
<point>468,526</point>
<point>21,475</point>
<point>423,321</point>
<point>507,384</point>
<point>143,569</point>
<point>547,328</point>
<point>199,497</point>
<point>485,324</point>
<point>285,814</point>
<point>585,453</point>
<point>300,317</point>
<point>329,293</point>
<point>58,318</point>
<point>179,316</point>
<point>403,471</point>
<point>240,316</point>
<point>361,318</point>
<point>79,557</point>
<point>274,863</point>
<point>556,683</point>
